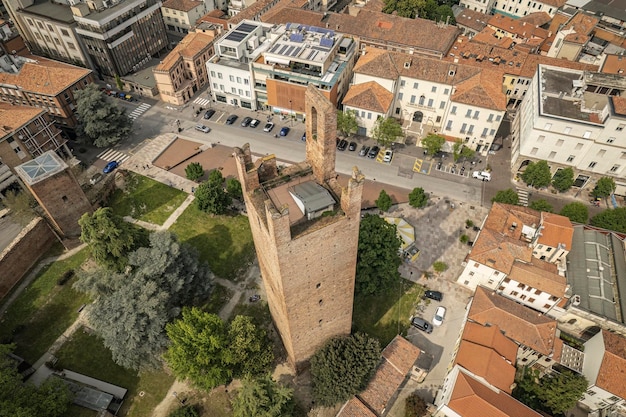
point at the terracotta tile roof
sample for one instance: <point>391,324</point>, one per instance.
<point>576,38</point>
<point>470,398</point>
<point>612,373</point>
<point>191,45</point>
<point>369,96</point>
<point>619,105</point>
<point>256,10</point>
<point>520,323</point>
<point>532,61</point>
<point>45,77</point>
<point>13,117</point>
<point>484,362</point>
<point>557,230</point>
<point>183,5</point>
<point>614,64</point>
<point>498,251</point>
<point>487,35</point>
<point>355,408</point>
<point>502,218</point>
<point>491,337</point>
<point>418,33</point>
<point>534,275</point>
<point>536,18</point>
<point>554,3</point>
<point>402,354</point>
<point>472,19</point>
<point>482,90</point>
<point>521,28</point>
<point>377,62</point>
<point>582,23</point>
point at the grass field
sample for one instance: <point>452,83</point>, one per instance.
<point>225,242</point>
<point>85,353</point>
<point>44,310</point>
<point>146,199</point>
<point>385,315</point>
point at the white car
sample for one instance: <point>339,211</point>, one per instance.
<point>439,316</point>
<point>268,127</point>
<point>203,128</point>
<point>482,175</point>
<point>388,155</point>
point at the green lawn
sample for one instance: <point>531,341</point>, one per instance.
<point>44,310</point>
<point>225,242</point>
<point>377,315</point>
<point>86,354</point>
<point>146,199</point>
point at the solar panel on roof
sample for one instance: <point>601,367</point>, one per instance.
<point>296,37</point>
<point>288,51</point>
<point>246,27</point>
<point>235,36</point>
<point>274,48</point>
<point>327,42</point>
<point>297,51</point>
<point>282,50</point>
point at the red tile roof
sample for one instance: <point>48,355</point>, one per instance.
<point>484,362</point>
<point>520,323</point>
<point>355,408</point>
<point>491,337</point>
<point>537,274</point>
<point>556,230</point>
<point>369,96</point>
<point>14,117</point>
<point>472,19</point>
<point>612,373</point>
<point>45,77</point>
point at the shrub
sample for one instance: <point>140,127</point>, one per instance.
<point>464,238</point>
<point>440,267</point>
<point>194,171</point>
<point>415,406</point>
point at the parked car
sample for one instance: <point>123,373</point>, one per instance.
<point>388,155</point>
<point>231,119</point>
<point>373,152</point>
<point>482,175</point>
<point>352,146</point>
<point>284,131</point>
<point>268,127</point>
<point>440,314</point>
<point>203,128</point>
<point>246,121</point>
<point>209,113</point>
<point>342,145</point>
<point>422,324</point>
<point>254,123</point>
<point>110,167</point>
<point>364,150</point>
<point>433,295</point>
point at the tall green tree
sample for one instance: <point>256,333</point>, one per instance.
<point>537,174</point>
<point>541,205</point>
<point>604,187</point>
<point>19,399</point>
<point>576,212</point>
<point>456,149</point>
<point>194,171</point>
<point>383,202</point>
<point>22,206</point>
<point>611,219</point>
<point>101,122</point>
<point>346,122</point>
<point>418,198</point>
<point>110,239</point>
<point>263,397</point>
<point>386,131</point>
<point>132,308</point>
<point>433,143</point>
<point>563,179</point>
<point>233,188</point>
<point>343,367</point>
<point>415,406</point>
<point>378,257</point>
<point>508,196</point>
<point>211,196</point>
<point>249,349</point>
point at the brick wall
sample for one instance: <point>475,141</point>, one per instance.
<point>19,257</point>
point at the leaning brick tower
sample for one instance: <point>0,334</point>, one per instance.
<point>305,227</point>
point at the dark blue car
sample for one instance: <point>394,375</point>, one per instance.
<point>110,167</point>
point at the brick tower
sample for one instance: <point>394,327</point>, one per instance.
<point>305,227</point>
<point>58,192</point>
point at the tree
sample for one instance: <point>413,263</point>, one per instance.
<point>433,143</point>
<point>541,205</point>
<point>426,9</point>
<point>101,122</point>
<point>555,392</point>
<point>22,206</point>
<point>216,177</point>
<point>233,188</point>
<point>563,179</point>
<point>440,267</point>
<point>211,196</point>
<point>577,212</point>
<point>378,257</point>
<point>250,350</point>
<point>386,130</point>
<point>508,196</point>
<point>418,198</point>
<point>343,367</point>
<point>415,406</point>
<point>611,219</point>
<point>132,308</point>
<point>467,153</point>
<point>456,149</point>
<point>444,13</point>
<point>185,411</point>
<point>537,174</point>
<point>346,122</point>
<point>19,399</point>
<point>194,171</point>
<point>109,238</point>
<point>263,397</point>
<point>384,201</point>
<point>604,187</point>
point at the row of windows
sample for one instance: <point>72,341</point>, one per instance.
<point>433,89</point>
<point>592,164</point>
<point>233,90</point>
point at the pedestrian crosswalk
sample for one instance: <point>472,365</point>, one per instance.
<point>523,197</point>
<point>139,111</point>
<point>202,101</point>
<point>112,155</point>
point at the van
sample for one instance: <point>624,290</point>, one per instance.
<point>422,324</point>
<point>482,175</point>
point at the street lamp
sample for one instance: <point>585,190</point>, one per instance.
<point>291,113</point>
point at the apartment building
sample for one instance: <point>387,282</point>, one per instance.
<point>120,36</point>
<point>518,30</point>
<point>574,119</point>
<point>302,55</point>
<point>470,21</point>
<point>46,84</point>
<point>181,15</point>
<point>25,133</point>
<point>574,37</point>
<point>228,69</point>
<point>183,71</point>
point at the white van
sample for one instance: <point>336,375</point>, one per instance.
<point>482,175</point>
